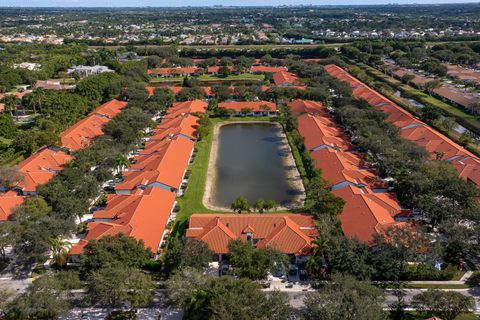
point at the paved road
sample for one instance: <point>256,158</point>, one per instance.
<point>296,298</point>
<point>144,314</point>
<point>15,276</point>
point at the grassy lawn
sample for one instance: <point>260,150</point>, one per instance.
<point>191,202</point>
<point>209,77</point>
<point>298,159</point>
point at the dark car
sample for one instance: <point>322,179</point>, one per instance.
<point>293,270</point>
<point>303,275</point>
<point>122,315</point>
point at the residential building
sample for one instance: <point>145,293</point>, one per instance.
<point>53,85</point>
<point>285,79</point>
<point>255,108</point>
<point>82,134</point>
<point>293,234</point>
<point>143,215</point>
<point>369,208</point>
<point>85,71</point>
<point>437,144</point>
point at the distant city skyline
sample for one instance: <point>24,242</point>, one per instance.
<point>182,3</point>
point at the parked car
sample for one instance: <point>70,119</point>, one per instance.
<point>303,275</point>
<point>109,188</point>
<point>293,270</point>
<point>122,315</point>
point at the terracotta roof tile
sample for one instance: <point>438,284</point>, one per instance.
<point>289,233</point>
<point>254,105</point>
<point>143,215</point>
<point>412,129</point>
<point>8,202</point>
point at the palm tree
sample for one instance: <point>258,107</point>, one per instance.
<point>59,251</point>
<point>39,95</point>
<point>34,99</point>
<point>11,103</point>
<point>316,261</point>
<point>121,162</point>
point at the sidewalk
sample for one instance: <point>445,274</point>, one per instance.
<point>464,278</point>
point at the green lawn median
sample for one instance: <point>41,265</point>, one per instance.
<point>192,200</point>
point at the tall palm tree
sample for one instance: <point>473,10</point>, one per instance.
<point>59,251</point>
<point>316,260</point>
<point>35,99</point>
<point>122,162</point>
<point>39,96</point>
<point>11,103</point>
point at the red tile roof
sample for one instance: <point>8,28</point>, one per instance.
<point>176,90</point>
<point>82,134</point>
<point>267,69</point>
<point>8,202</point>
<point>167,170</point>
<point>143,215</point>
<point>300,106</point>
<point>40,167</point>
<point>254,105</point>
<point>284,78</point>
<point>216,69</point>
<point>289,233</point>
<point>186,107</point>
<point>321,132</point>
<point>186,126</point>
<point>412,129</point>
<point>339,167</point>
<point>364,214</point>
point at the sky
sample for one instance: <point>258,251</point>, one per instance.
<point>178,3</point>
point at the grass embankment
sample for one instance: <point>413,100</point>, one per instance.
<point>469,121</point>
<point>210,77</point>
<point>298,159</point>
<point>192,200</point>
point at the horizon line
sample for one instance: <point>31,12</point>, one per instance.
<point>213,6</point>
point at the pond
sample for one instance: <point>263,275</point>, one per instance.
<point>254,160</point>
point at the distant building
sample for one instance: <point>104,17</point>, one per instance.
<point>53,85</point>
<point>128,56</point>
<point>27,66</point>
<point>85,71</point>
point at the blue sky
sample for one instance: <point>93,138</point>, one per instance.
<point>172,3</point>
